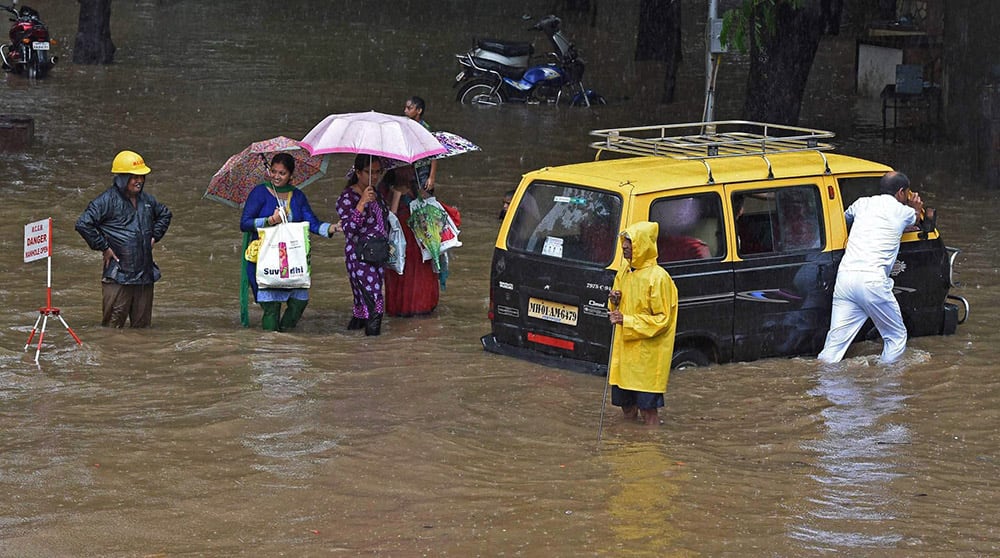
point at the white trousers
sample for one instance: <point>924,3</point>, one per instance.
<point>857,296</point>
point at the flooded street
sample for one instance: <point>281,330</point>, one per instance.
<point>198,437</point>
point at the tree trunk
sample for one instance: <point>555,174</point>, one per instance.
<point>972,83</point>
<point>580,6</point>
<point>93,35</point>
<point>659,38</point>
<point>780,63</point>
<point>887,10</point>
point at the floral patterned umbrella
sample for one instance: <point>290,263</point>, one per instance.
<point>453,144</point>
<point>232,183</point>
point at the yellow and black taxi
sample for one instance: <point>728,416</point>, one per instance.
<point>751,229</point>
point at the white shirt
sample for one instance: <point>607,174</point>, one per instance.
<point>873,243</point>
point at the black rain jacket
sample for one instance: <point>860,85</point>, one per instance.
<point>111,221</point>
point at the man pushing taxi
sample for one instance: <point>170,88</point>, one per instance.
<point>643,307</point>
<point>864,287</point>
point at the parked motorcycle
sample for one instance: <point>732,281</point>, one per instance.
<point>496,72</point>
<point>28,50</point>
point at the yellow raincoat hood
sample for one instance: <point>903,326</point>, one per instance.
<point>643,236</point>
<point>643,346</point>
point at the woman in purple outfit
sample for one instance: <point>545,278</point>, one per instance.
<point>363,217</point>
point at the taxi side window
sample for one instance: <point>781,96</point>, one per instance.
<point>690,227</point>
<point>779,220</point>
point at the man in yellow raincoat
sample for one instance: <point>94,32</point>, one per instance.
<point>643,307</point>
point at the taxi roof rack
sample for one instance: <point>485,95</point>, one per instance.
<point>702,141</point>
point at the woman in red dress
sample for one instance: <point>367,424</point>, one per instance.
<point>417,290</point>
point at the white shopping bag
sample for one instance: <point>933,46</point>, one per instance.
<point>449,235</point>
<point>397,245</point>
<point>283,258</point>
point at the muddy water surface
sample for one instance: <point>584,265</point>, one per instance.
<point>200,438</point>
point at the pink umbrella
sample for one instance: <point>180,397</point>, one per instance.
<point>233,182</point>
<point>372,133</point>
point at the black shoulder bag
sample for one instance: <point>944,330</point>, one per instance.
<point>375,250</point>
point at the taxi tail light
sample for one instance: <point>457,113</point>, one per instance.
<point>551,341</point>
<point>489,312</point>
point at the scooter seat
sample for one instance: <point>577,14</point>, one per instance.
<point>503,69</point>
<point>506,48</point>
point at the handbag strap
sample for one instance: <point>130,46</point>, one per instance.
<point>281,206</point>
<point>385,214</point>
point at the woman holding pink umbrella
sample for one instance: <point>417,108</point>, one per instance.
<point>362,216</point>
<point>371,135</point>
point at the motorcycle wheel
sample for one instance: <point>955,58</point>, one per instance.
<point>479,92</point>
<point>33,65</point>
<point>595,99</point>
<point>599,100</point>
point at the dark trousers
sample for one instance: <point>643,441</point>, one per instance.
<point>132,302</point>
<point>630,398</point>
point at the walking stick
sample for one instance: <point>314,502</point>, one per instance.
<point>607,385</point>
<point>607,381</point>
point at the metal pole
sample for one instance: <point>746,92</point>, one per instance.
<point>713,12</point>
<point>607,385</point>
<point>607,381</point>
<point>48,283</point>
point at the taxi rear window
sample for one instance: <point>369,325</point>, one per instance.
<point>566,221</point>
<point>853,188</point>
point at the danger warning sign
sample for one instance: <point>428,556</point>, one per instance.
<point>38,240</point>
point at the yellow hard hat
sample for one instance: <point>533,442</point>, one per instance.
<point>129,162</point>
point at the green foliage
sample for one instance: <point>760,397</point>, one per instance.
<point>754,19</point>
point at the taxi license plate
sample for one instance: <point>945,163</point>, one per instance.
<point>552,311</point>
<point>40,46</point>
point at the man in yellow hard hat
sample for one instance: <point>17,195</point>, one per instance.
<point>124,223</point>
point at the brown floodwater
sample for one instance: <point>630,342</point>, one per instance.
<point>198,437</point>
